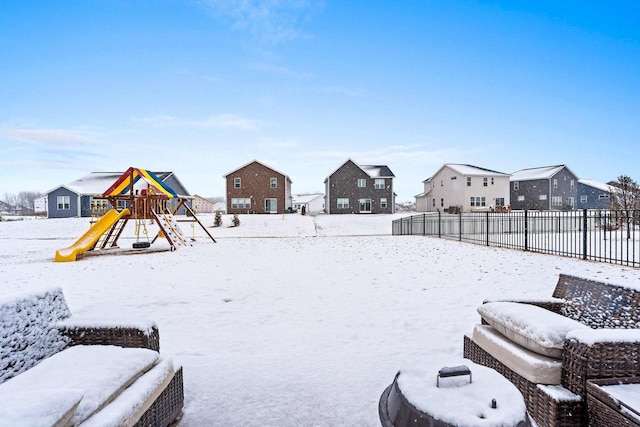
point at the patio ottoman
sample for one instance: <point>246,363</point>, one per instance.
<point>457,394</point>
<point>614,402</point>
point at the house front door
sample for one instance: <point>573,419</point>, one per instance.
<point>271,205</point>
<point>365,205</point>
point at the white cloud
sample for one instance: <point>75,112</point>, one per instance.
<point>52,137</point>
<point>268,21</point>
<point>270,143</point>
<point>228,121</point>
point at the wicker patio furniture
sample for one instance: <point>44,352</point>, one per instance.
<point>37,332</point>
<point>606,408</point>
<point>609,348</point>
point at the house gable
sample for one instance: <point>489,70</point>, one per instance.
<point>465,187</point>
<point>353,188</point>
<point>257,188</point>
<point>544,188</point>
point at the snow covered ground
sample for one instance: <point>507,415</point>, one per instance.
<point>289,320</point>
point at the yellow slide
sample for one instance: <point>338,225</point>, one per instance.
<point>92,235</point>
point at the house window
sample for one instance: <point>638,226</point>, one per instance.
<point>583,199</point>
<point>241,203</point>
<point>478,201</point>
<point>236,182</point>
<point>441,203</point>
<point>492,183</point>
<point>433,202</point>
<point>516,185</point>
<point>122,204</point>
<point>273,182</point>
<point>571,201</point>
<point>556,201</point>
<point>362,182</point>
<point>343,203</point>
<point>499,200</point>
<point>468,181</point>
<point>603,196</point>
<point>454,177</point>
<point>64,203</point>
<point>573,184</point>
<point>442,183</point>
<point>521,198</point>
<point>542,197</point>
<point>383,203</point>
<point>485,182</point>
<point>378,184</point>
<point>555,184</point>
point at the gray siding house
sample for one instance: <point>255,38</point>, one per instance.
<point>354,188</point>
<point>594,195</point>
<point>544,188</point>
<point>76,198</point>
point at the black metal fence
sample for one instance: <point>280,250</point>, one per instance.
<point>598,235</point>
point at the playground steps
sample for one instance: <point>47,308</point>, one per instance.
<point>110,238</point>
<point>170,228</point>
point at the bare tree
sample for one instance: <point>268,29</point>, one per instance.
<point>10,199</point>
<point>626,199</point>
<point>27,199</point>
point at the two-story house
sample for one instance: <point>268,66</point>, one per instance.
<point>354,188</point>
<point>256,188</point>
<point>463,187</point>
<point>544,188</point>
<point>594,195</point>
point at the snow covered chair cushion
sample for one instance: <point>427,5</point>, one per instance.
<point>534,367</point>
<point>539,330</point>
<point>53,408</point>
<point>98,373</point>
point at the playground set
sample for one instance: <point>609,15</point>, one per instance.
<point>137,195</point>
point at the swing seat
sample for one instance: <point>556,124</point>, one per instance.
<point>141,245</point>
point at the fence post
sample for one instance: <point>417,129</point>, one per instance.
<point>487,228</point>
<point>460,226</point>
<point>584,234</point>
<point>439,224</point>
<point>411,225</point>
<point>424,224</point>
<point>526,231</point>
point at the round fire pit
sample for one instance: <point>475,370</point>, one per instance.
<point>461,394</point>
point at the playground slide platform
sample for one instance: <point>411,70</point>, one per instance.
<point>89,239</point>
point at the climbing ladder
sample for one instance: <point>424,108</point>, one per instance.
<point>110,238</point>
<point>169,227</point>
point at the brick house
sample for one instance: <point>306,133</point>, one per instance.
<point>256,188</point>
<point>544,188</point>
<point>356,188</point>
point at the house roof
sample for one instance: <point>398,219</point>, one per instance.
<point>305,198</point>
<point>599,185</point>
<point>99,182</point>
<point>374,171</point>
<point>545,172</point>
<point>261,164</point>
<point>468,170</point>
<point>377,171</point>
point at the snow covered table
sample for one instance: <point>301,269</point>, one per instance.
<point>614,402</point>
<point>446,395</point>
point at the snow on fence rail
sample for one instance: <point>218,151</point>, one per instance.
<point>597,235</point>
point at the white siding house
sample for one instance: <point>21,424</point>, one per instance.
<point>313,203</point>
<point>465,187</point>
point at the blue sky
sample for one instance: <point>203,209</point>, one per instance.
<point>202,87</point>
